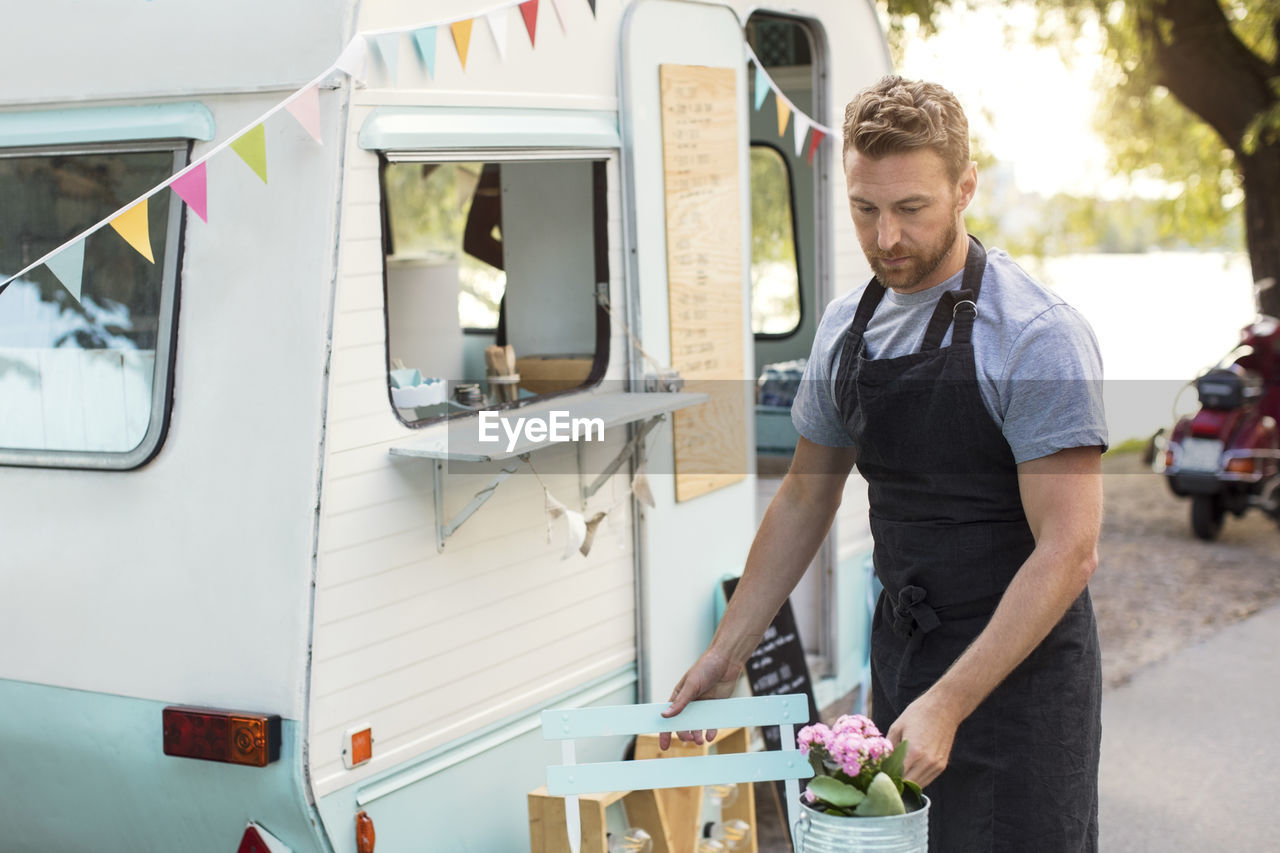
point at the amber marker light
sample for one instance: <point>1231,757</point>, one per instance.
<point>1240,465</point>
<point>234,737</point>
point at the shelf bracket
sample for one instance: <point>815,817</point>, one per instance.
<point>622,456</point>
<point>446,529</point>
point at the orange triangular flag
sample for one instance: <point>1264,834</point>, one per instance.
<point>462,39</point>
<point>784,113</point>
<point>135,228</point>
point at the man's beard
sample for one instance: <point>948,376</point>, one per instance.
<point>922,264</point>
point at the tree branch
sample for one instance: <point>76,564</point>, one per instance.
<point>1206,66</point>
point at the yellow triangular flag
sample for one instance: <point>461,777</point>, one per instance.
<point>462,39</point>
<point>135,228</point>
<point>252,148</point>
<point>784,113</point>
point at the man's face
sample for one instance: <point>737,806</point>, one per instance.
<point>907,214</point>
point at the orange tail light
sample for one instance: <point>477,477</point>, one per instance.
<point>234,737</point>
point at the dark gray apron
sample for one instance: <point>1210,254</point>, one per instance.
<point>950,534</point>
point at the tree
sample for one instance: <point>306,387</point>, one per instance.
<point>1193,98</point>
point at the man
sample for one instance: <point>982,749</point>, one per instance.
<point>968,396</point>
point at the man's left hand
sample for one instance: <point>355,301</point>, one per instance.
<point>930,731</point>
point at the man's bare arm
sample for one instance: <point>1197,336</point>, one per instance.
<point>1062,498</point>
<point>792,531</point>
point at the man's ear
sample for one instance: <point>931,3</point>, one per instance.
<point>967,186</point>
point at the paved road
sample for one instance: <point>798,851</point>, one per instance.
<point>1191,747</point>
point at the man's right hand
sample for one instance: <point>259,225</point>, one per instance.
<point>711,677</point>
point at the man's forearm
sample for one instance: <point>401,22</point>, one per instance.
<point>789,536</point>
<point>1040,593</point>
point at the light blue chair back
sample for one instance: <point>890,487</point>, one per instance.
<point>571,779</point>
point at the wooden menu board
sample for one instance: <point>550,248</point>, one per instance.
<point>704,272</point>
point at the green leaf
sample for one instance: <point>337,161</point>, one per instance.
<point>892,766</point>
<point>882,799</point>
<point>835,793</point>
<point>912,796</point>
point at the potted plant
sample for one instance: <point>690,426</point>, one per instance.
<point>857,798</point>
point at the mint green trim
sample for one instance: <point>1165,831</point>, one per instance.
<point>562,723</point>
<point>435,128</point>
<point>732,768</point>
<point>477,804</point>
<point>186,120</point>
<point>491,737</point>
<point>87,771</point>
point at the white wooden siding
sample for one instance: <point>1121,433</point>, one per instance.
<point>427,647</point>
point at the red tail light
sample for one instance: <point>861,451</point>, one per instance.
<point>258,840</point>
<point>231,736</point>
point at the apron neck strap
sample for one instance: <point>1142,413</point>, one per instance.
<point>866,307</point>
<point>961,304</point>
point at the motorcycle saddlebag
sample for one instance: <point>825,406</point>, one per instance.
<point>1226,389</point>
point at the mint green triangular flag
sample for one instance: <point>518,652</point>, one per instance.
<point>68,266</point>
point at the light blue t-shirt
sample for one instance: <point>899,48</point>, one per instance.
<point>1039,369</point>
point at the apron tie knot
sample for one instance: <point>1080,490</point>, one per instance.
<point>911,612</point>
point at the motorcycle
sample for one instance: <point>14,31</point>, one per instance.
<point>1226,456</point>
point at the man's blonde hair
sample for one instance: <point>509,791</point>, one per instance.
<point>896,116</point>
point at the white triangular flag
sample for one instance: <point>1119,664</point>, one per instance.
<point>554,510</point>
<point>576,532</point>
<point>498,20</point>
<point>592,523</point>
<point>389,50</point>
<point>801,128</point>
<point>354,59</point>
<point>640,487</point>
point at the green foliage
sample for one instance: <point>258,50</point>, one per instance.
<point>1149,132</point>
<point>893,765</point>
<point>835,792</point>
<point>882,799</point>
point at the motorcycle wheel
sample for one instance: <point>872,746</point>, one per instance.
<point>1207,513</point>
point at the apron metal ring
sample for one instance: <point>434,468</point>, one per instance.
<point>968,302</point>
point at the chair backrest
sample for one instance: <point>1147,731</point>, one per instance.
<point>570,779</point>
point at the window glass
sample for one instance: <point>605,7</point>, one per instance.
<point>79,375</point>
<point>509,252</point>
<point>775,281</point>
<point>431,206</point>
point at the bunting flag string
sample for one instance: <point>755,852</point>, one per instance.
<point>802,123</point>
<point>191,182</point>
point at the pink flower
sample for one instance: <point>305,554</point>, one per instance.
<point>809,735</point>
<point>810,797</point>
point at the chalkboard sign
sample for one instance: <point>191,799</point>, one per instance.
<point>777,666</point>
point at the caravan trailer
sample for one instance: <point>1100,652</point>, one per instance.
<point>276,562</point>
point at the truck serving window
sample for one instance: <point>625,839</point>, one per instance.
<point>83,378</point>
<point>479,255</point>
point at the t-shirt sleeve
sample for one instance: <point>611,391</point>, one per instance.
<point>814,410</point>
<point>1051,387</point>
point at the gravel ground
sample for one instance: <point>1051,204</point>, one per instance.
<point>1158,588</point>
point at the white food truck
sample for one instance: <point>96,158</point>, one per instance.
<point>259,565</point>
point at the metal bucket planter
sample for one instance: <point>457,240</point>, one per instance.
<point>816,832</point>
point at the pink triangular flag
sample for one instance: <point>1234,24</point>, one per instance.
<point>193,188</point>
<point>555,4</point>
<point>306,109</point>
